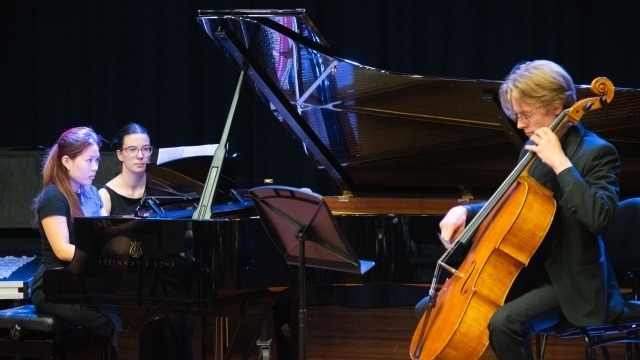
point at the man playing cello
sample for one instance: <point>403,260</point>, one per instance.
<point>569,277</point>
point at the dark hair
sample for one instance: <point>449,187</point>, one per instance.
<point>71,143</point>
<point>129,129</point>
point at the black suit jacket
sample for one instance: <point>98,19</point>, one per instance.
<point>573,252</point>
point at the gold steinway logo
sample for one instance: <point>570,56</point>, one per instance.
<point>135,250</point>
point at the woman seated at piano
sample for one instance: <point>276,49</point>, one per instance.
<point>170,336</point>
<point>67,192</point>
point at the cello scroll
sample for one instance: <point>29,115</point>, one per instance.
<point>601,86</point>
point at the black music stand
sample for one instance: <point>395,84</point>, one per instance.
<point>304,230</point>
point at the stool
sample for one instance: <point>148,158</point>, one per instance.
<point>25,333</point>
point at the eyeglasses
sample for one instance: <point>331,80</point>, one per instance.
<point>133,150</point>
<point>517,117</point>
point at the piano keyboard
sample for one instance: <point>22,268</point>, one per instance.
<point>16,276</point>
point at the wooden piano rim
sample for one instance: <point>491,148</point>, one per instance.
<point>354,205</point>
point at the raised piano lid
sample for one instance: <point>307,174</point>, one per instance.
<point>382,133</point>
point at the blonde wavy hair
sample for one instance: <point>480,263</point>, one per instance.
<point>540,81</point>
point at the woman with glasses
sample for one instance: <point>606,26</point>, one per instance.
<point>569,278</point>
<point>168,337</point>
<point>67,192</point>
<point>124,193</point>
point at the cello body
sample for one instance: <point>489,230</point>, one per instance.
<point>501,248</point>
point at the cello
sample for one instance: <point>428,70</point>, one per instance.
<point>503,237</point>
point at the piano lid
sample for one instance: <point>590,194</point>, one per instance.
<point>380,132</point>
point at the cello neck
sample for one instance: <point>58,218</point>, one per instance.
<point>522,169</point>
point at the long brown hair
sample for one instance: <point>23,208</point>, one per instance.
<point>71,143</point>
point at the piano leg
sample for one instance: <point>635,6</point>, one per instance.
<point>229,331</point>
<point>225,345</point>
<point>221,333</point>
<point>167,337</point>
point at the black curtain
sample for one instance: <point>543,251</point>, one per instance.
<point>105,63</point>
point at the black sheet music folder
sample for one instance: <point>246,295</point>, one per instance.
<point>294,217</point>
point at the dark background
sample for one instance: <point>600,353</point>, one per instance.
<point>102,64</point>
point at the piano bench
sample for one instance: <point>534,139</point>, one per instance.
<point>24,333</point>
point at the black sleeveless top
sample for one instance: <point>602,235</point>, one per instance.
<point>122,205</point>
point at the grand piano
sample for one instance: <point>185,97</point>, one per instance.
<point>402,149</point>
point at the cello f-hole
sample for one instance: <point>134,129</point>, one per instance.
<point>463,288</point>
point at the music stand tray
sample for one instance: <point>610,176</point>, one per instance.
<point>303,228</point>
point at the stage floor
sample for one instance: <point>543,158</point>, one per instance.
<point>339,332</point>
